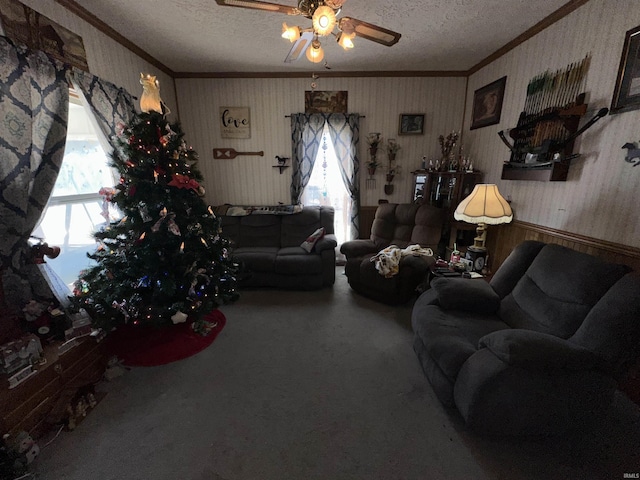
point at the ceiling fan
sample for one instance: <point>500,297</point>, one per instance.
<point>323,14</point>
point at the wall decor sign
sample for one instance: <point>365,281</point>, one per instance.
<point>487,104</point>
<point>411,124</point>
<point>235,122</point>
<point>626,95</point>
<point>24,25</point>
<point>325,101</point>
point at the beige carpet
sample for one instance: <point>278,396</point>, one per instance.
<point>311,385</point>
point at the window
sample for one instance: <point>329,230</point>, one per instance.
<point>75,210</point>
<point>326,187</point>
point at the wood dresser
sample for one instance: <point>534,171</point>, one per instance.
<point>41,400</point>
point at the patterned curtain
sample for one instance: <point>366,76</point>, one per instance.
<point>345,136</point>
<point>34,107</point>
<point>306,135</point>
<point>111,105</point>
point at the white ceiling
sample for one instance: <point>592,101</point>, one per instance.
<point>437,35</point>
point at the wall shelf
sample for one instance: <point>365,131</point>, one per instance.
<point>281,167</point>
<point>549,137</point>
<point>557,172</point>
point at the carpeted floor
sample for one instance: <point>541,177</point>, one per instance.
<point>311,385</point>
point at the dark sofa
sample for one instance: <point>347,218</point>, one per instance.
<point>400,224</point>
<point>268,246</point>
<point>539,348</point>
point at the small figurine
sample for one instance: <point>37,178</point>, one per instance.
<point>150,99</point>
<point>26,447</point>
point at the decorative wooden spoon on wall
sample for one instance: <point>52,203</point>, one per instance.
<point>230,153</point>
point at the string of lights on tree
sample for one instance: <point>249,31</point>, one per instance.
<point>166,259</point>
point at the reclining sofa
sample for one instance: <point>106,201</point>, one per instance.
<point>539,348</point>
<point>401,225</point>
<point>269,249</point>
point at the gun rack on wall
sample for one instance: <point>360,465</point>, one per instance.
<point>543,144</point>
<point>544,137</point>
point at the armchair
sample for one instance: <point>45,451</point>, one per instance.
<point>539,349</point>
<point>400,225</point>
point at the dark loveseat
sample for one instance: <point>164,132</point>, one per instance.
<point>539,348</point>
<point>268,246</point>
<point>401,225</point>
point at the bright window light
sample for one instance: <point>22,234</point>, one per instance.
<point>74,210</point>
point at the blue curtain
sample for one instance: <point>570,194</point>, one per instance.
<point>111,105</point>
<point>306,135</point>
<point>34,107</point>
<point>345,135</point>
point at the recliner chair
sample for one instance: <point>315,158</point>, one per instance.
<point>537,350</point>
<point>400,225</point>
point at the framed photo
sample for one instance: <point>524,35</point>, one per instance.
<point>411,124</point>
<point>626,95</point>
<point>325,101</point>
<point>487,104</point>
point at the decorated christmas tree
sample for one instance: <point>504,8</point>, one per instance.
<point>165,260</point>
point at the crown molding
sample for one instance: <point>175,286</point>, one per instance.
<point>556,16</point>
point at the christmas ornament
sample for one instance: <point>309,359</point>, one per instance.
<point>144,213</point>
<point>172,226</point>
<point>179,317</point>
<point>121,307</point>
<point>183,181</point>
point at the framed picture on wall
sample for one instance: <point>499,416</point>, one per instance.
<point>626,95</point>
<point>411,124</point>
<point>325,101</point>
<point>487,104</point>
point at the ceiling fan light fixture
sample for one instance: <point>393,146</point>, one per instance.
<point>346,25</point>
<point>315,54</point>
<point>324,20</point>
<point>335,4</point>
<point>345,40</point>
<point>290,33</point>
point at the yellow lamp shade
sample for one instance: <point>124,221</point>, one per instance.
<point>484,205</point>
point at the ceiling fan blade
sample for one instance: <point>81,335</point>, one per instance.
<point>372,32</point>
<point>299,47</point>
<point>257,5</point>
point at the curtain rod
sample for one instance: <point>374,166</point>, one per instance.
<point>359,116</point>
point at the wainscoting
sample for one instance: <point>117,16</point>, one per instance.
<point>502,239</point>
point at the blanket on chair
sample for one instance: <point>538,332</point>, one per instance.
<point>387,261</point>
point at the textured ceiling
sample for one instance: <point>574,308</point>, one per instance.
<point>201,36</point>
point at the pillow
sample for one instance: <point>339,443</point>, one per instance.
<point>311,240</point>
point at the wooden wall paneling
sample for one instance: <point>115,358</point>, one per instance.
<point>502,239</point>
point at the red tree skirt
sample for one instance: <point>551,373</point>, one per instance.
<point>150,346</point>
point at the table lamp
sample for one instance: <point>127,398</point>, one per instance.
<point>484,206</point>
